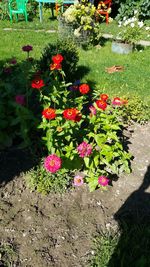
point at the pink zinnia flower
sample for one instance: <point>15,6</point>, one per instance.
<point>93,110</point>
<point>84,149</point>
<point>117,101</point>
<point>52,163</point>
<point>78,180</point>
<point>20,99</point>
<point>103,180</point>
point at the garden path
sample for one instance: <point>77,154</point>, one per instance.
<point>57,230</point>
<point>105,35</point>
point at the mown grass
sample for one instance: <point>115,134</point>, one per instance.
<point>134,79</point>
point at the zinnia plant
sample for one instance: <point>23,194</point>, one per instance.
<point>79,134</point>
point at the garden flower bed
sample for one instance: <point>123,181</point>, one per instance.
<point>76,138</point>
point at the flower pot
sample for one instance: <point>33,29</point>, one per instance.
<point>121,48</point>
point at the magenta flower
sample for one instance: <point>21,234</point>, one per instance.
<point>103,180</point>
<point>93,110</point>
<point>13,61</point>
<point>52,163</point>
<point>20,99</point>
<point>78,180</point>
<point>117,101</point>
<point>84,149</point>
<point>27,48</point>
<point>7,70</point>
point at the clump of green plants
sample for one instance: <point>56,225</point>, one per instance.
<point>45,182</point>
<point>130,244</point>
<point>8,255</point>
<point>138,110</point>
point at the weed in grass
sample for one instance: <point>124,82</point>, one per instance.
<point>127,249</point>
<point>8,255</point>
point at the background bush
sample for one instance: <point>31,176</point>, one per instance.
<point>127,7</point>
<point>32,8</point>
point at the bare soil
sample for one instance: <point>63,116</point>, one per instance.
<point>57,230</point>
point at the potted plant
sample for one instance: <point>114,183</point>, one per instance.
<point>130,33</point>
<point>78,21</point>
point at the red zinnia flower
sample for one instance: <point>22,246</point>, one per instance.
<point>57,59</point>
<point>84,88</point>
<point>37,83</point>
<point>104,97</point>
<point>55,66</point>
<point>49,113</point>
<point>101,104</point>
<point>72,114</point>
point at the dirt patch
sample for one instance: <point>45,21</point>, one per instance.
<point>57,230</point>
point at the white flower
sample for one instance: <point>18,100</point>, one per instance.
<point>77,32</point>
<point>147,28</point>
<point>140,24</point>
<point>124,18</point>
<point>132,24</point>
<point>135,12</point>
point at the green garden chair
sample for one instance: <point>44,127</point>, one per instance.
<point>18,7</point>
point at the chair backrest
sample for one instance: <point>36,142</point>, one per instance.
<point>21,4</point>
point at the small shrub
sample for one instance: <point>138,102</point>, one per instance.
<point>137,111</point>
<point>68,50</point>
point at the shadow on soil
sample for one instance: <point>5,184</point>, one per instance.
<point>134,219</point>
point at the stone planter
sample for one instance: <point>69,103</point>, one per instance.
<point>121,48</point>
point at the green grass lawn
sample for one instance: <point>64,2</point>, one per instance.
<point>134,79</point>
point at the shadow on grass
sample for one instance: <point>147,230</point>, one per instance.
<point>134,220</point>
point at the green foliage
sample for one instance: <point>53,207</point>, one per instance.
<point>45,182</point>
<point>4,11</point>
<point>104,246</point>
<point>17,121</point>
<point>128,7</point>
<point>130,244</point>
<point>4,14</point>
<point>62,136</point>
<point>32,8</point>
<point>138,110</point>
<point>130,30</point>
<point>8,255</point>
<point>68,50</point>
<point>109,156</point>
